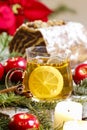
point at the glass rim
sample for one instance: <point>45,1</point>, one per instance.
<point>61,52</point>
<point>32,47</point>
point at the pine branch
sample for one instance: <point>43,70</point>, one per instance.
<point>80,89</point>
<point>4,120</point>
<point>4,42</point>
<point>42,110</point>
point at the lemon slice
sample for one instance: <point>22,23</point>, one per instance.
<point>45,82</point>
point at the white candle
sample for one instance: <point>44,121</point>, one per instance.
<point>75,125</point>
<point>65,111</point>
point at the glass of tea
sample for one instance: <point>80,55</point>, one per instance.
<point>47,76</point>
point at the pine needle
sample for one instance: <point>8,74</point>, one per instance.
<point>4,120</point>
<point>43,110</point>
<point>80,89</point>
<point>4,47</point>
<point>4,42</point>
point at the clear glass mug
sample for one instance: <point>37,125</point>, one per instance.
<point>48,77</point>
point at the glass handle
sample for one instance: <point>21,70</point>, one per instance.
<point>14,77</point>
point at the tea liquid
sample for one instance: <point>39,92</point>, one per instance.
<point>63,67</point>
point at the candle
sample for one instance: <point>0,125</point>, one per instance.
<point>65,111</point>
<point>75,125</point>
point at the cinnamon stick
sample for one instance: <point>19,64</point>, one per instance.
<point>18,89</point>
<point>11,89</point>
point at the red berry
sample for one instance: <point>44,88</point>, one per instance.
<point>80,72</point>
<point>23,121</point>
<point>15,63</point>
<point>1,71</point>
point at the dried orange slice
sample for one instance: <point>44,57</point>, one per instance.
<point>45,82</point>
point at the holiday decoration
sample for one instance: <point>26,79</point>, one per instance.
<point>80,72</point>
<point>23,121</point>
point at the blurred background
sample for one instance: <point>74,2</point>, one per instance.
<point>70,10</point>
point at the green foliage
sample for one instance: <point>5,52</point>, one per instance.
<point>43,110</point>
<point>4,120</point>
<point>4,47</point>
<point>80,89</point>
<point>4,42</point>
